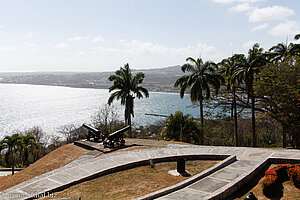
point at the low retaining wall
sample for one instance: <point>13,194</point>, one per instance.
<point>257,172</point>
<point>228,159</point>
<point>189,181</point>
<point>9,169</point>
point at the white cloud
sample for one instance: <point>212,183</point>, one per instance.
<point>8,49</point>
<point>28,35</point>
<point>249,44</point>
<point>76,38</point>
<point>147,48</point>
<point>81,53</point>
<point>1,26</point>
<point>270,13</point>
<point>260,27</point>
<point>98,39</point>
<point>286,29</point>
<point>60,46</point>
<point>31,47</point>
<point>232,1</point>
<point>103,50</point>
<point>241,7</point>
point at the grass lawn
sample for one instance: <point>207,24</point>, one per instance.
<point>289,191</point>
<point>132,183</point>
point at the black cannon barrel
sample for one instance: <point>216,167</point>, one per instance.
<point>90,128</point>
<point>112,135</point>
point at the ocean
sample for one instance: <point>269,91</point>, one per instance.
<point>51,107</point>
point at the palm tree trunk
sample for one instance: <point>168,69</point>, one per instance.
<point>253,118</point>
<point>128,116</point>
<point>235,119</point>
<point>201,116</point>
<point>12,162</point>
<point>129,123</point>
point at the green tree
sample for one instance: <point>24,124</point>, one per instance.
<point>229,67</point>
<point>183,128</point>
<point>202,76</point>
<point>29,145</point>
<point>12,143</point>
<point>127,88</point>
<point>278,87</point>
<point>255,61</point>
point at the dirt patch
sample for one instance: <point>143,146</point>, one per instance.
<point>132,183</point>
<point>55,159</point>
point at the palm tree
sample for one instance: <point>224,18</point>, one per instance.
<point>281,51</point>
<point>12,143</point>
<point>127,88</point>
<point>229,68</point>
<point>182,128</point>
<point>256,59</point>
<point>28,144</point>
<point>202,76</point>
<point>1,146</point>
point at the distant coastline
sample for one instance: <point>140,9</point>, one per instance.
<point>156,80</point>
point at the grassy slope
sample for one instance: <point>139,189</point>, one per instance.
<point>55,159</point>
<point>131,183</point>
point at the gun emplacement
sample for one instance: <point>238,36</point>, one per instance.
<point>93,133</point>
<point>116,138</point>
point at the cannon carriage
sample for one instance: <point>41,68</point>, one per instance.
<point>114,139</point>
<point>93,133</point>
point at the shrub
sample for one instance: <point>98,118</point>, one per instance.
<point>294,174</point>
<point>275,176</point>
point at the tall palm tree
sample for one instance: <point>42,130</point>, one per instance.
<point>281,51</point>
<point>28,144</point>
<point>126,87</point>
<point>229,68</point>
<point>202,76</point>
<point>12,143</point>
<point>256,59</point>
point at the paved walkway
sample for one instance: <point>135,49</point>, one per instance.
<point>211,184</point>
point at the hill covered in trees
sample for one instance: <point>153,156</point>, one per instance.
<point>156,80</point>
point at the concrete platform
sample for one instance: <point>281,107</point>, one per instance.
<point>239,166</point>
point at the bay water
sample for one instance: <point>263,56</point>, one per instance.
<point>50,107</point>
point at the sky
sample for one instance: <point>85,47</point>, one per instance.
<point>103,35</point>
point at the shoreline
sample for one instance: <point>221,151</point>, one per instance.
<point>68,86</point>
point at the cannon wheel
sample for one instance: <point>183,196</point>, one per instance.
<point>122,142</point>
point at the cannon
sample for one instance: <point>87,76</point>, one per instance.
<point>96,134</point>
<point>116,138</point>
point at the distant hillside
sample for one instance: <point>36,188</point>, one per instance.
<point>156,80</point>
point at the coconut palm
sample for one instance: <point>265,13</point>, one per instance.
<point>28,145</point>
<point>126,87</point>
<point>229,68</point>
<point>1,147</point>
<point>202,76</point>
<point>12,143</point>
<point>281,51</point>
<point>256,59</point>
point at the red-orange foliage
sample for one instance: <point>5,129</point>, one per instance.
<point>274,175</point>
